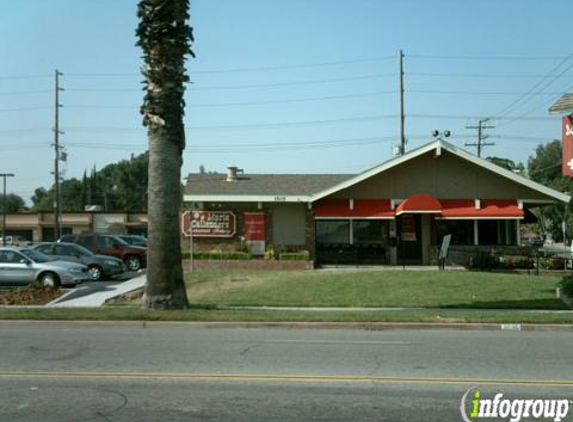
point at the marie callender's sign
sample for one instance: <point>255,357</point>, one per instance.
<point>209,223</point>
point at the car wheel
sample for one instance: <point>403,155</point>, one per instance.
<point>49,280</point>
<point>133,263</point>
<point>95,272</point>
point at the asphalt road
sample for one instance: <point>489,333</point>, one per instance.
<point>184,372</point>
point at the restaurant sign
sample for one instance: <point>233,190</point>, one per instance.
<point>208,223</point>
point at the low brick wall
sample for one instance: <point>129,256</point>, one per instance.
<point>251,264</point>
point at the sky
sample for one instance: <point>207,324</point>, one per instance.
<point>283,86</point>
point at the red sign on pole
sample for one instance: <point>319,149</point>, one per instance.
<point>255,232</point>
<point>208,223</point>
<point>567,162</point>
<point>254,225</point>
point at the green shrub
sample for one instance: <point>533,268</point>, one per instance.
<point>294,256</point>
<point>485,261</point>
<point>219,255</point>
<point>566,285</point>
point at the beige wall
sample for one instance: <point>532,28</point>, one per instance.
<point>289,224</point>
<point>79,222</point>
<point>444,177</point>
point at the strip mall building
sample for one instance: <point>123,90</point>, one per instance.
<point>394,213</point>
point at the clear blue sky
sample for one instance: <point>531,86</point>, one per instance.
<point>331,64</point>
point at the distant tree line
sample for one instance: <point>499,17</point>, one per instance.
<point>119,186</point>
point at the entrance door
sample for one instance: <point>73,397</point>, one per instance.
<point>409,239</point>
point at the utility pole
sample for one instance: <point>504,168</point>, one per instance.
<point>57,132</point>
<point>402,116</point>
<point>481,136</point>
<point>4,176</point>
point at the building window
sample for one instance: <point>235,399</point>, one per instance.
<point>497,232</point>
<point>370,232</point>
<point>462,231</point>
<point>333,231</point>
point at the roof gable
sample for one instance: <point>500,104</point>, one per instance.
<point>437,148</point>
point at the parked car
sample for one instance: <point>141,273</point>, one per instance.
<point>14,241</point>
<point>25,266</point>
<point>99,266</point>
<point>134,239</point>
<point>535,241</point>
<point>134,257</point>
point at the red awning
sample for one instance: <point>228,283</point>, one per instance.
<point>459,209</point>
<point>362,208</point>
<point>489,209</point>
<point>419,204</point>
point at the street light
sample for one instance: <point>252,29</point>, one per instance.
<point>4,176</point>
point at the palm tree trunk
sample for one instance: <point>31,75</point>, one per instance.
<point>165,286</point>
<point>165,40</point>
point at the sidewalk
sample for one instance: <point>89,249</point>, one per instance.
<point>96,294</point>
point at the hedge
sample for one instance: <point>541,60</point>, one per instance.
<point>218,255</point>
<point>294,256</point>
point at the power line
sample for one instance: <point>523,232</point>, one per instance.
<point>520,101</point>
<point>479,75</point>
<point>426,91</point>
<point>503,58</point>
<point>9,110</point>
<point>248,69</point>
<point>5,94</point>
<point>14,77</point>
<point>253,126</point>
<point>248,103</point>
<point>196,87</point>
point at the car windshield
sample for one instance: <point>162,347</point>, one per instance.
<point>35,255</point>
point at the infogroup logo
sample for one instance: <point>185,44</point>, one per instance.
<point>474,407</point>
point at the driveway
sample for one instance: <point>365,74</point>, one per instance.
<point>96,293</point>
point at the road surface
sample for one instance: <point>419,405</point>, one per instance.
<point>192,372</point>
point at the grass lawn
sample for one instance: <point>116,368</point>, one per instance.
<point>428,289</point>
<point>437,316</point>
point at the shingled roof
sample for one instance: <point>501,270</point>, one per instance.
<point>563,105</point>
<point>261,184</point>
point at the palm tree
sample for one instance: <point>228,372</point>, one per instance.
<point>165,39</point>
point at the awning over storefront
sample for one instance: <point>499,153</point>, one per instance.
<point>461,209</point>
<point>358,208</point>
<point>419,204</point>
<point>455,209</point>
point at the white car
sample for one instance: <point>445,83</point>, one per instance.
<point>20,266</point>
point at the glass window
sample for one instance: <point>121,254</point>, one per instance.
<point>497,232</point>
<point>370,231</point>
<point>87,240</point>
<point>62,250</point>
<point>36,256</point>
<point>333,231</point>
<point>104,242</point>
<point>47,249</point>
<point>462,231</point>
<point>10,257</point>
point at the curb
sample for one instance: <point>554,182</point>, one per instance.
<point>365,326</point>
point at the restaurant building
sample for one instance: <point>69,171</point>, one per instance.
<point>394,213</point>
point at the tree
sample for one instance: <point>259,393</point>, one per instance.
<point>14,203</point>
<point>507,164</point>
<point>165,39</point>
<point>545,167</point>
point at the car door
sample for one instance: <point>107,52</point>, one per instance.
<point>15,268</point>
